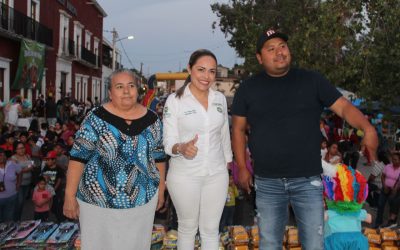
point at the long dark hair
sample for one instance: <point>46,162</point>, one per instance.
<point>192,61</point>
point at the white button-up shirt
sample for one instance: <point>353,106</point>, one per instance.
<point>184,118</point>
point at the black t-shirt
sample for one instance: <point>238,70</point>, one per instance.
<point>284,113</point>
<point>52,175</point>
<point>51,109</point>
<point>39,108</point>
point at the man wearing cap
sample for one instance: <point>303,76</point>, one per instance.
<point>282,106</point>
<point>54,176</point>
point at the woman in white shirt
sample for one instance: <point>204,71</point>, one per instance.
<point>196,135</point>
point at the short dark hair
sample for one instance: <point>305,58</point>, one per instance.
<point>15,145</point>
<point>24,134</point>
<point>41,178</point>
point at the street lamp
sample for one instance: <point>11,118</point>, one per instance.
<point>114,42</point>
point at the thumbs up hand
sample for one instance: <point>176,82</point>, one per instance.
<point>189,149</point>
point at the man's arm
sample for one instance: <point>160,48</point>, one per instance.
<point>356,119</point>
<point>239,124</point>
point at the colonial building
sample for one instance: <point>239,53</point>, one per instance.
<point>71,33</point>
<point>107,65</point>
<point>227,81</point>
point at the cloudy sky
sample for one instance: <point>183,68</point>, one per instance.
<point>166,32</point>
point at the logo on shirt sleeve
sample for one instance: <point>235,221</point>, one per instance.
<point>166,112</point>
<point>218,106</point>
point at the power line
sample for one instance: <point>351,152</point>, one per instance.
<point>126,54</point>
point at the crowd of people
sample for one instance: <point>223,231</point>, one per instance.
<point>30,159</point>
<point>117,163</point>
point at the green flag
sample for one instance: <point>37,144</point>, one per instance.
<point>31,65</point>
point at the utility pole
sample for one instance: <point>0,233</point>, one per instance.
<point>114,41</point>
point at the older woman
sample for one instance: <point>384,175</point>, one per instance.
<point>116,174</point>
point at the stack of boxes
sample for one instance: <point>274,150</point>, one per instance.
<point>382,239</point>
<point>239,238</point>
<point>292,236</point>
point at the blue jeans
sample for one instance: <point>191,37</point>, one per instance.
<point>7,208</point>
<point>273,195</point>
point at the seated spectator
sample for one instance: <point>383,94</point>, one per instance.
<point>333,156</point>
<point>70,144</point>
<point>23,137</point>
<point>324,148</point>
<point>43,129</point>
<point>58,129</point>
<point>8,146</point>
<point>66,132</point>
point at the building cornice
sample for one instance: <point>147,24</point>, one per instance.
<point>98,7</point>
<point>65,13</point>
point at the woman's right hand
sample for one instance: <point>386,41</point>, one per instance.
<point>71,207</point>
<point>189,149</point>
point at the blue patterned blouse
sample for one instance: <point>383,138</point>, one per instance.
<point>120,170</point>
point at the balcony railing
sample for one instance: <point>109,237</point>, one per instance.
<point>88,56</point>
<point>18,23</point>
<point>67,47</point>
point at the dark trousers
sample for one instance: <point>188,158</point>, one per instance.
<point>21,197</point>
<point>44,216</point>
<point>227,217</point>
<point>373,195</point>
<point>394,204</point>
<point>57,207</point>
<point>7,208</point>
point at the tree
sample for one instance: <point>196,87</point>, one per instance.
<point>342,39</point>
<point>381,53</point>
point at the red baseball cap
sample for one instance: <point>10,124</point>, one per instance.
<point>51,155</point>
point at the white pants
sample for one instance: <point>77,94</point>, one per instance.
<point>199,202</point>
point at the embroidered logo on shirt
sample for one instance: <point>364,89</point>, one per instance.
<point>190,112</point>
<point>166,113</point>
<point>218,106</point>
